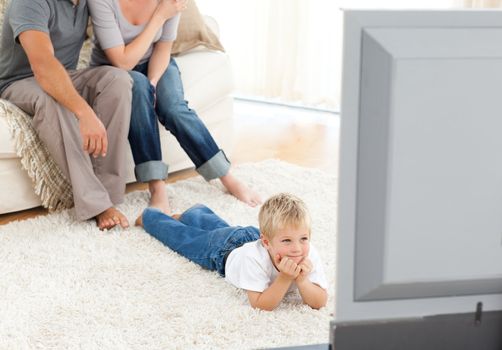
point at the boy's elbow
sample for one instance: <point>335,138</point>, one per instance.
<point>319,304</point>
<point>264,307</point>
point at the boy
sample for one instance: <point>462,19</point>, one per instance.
<point>267,263</point>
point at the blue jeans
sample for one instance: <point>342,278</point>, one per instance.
<point>199,235</point>
<point>173,113</point>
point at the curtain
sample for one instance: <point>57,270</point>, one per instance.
<point>288,50</point>
<point>291,50</point>
<point>482,3</point>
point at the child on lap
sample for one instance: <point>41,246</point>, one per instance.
<point>267,263</point>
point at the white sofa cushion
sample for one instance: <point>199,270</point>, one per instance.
<point>207,77</point>
<point>7,149</point>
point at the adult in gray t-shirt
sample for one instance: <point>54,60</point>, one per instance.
<point>135,35</point>
<point>67,34</point>
<point>40,45</point>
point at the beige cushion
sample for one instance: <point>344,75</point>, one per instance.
<point>3,7</point>
<point>193,31</point>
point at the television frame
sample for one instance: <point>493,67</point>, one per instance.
<point>365,299</point>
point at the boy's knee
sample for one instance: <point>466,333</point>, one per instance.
<point>200,208</point>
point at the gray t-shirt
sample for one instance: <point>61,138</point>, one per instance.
<point>112,29</point>
<point>61,19</point>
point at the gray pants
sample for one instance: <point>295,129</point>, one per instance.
<point>97,183</point>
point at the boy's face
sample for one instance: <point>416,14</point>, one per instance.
<point>291,242</point>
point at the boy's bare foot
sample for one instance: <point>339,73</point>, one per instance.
<point>240,190</point>
<point>158,197</point>
<point>139,220</point>
<point>110,218</point>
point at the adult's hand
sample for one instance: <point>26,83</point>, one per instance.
<point>169,8</point>
<point>94,137</point>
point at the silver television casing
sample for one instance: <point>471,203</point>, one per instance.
<point>420,188</point>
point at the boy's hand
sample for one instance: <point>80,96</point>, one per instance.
<point>287,267</point>
<point>305,268</point>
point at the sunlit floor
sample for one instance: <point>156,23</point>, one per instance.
<point>262,131</point>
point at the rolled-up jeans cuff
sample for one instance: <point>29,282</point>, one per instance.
<point>151,170</point>
<point>217,166</point>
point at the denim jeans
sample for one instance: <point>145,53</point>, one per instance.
<point>199,235</point>
<point>172,111</point>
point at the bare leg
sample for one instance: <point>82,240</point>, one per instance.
<point>110,218</point>
<point>139,220</point>
<point>158,197</point>
<point>240,190</point>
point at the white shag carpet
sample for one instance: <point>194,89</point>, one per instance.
<point>65,284</point>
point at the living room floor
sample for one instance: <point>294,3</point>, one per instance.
<point>301,136</point>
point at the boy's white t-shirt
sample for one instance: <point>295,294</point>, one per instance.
<point>250,267</point>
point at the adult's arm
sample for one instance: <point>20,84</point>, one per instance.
<point>108,33</point>
<point>54,79</point>
<point>159,61</point>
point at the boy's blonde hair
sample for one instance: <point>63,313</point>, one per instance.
<point>283,210</point>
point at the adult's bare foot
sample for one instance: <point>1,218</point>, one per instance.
<point>240,190</point>
<point>158,196</point>
<point>110,218</point>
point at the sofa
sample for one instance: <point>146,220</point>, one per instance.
<point>208,83</point>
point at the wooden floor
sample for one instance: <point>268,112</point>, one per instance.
<point>263,131</point>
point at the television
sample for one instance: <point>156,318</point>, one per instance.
<point>419,242</point>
